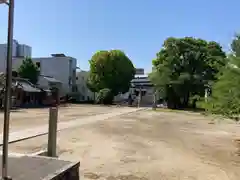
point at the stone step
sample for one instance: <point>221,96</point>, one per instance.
<point>41,168</point>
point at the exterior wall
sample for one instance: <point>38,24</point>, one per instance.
<point>147,99</point>
<point>46,84</point>
<point>146,86</point>
<point>16,62</point>
<point>82,86</point>
<point>14,48</point>
<point>24,50</point>
<point>60,68</point>
<point>3,54</point>
<point>139,71</point>
<point>19,51</point>
<point>73,68</point>
<point>43,83</point>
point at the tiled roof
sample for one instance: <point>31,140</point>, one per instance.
<point>27,86</point>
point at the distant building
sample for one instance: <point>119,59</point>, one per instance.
<point>25,94</point>
<point>139,71</point>
<point>57,70</point>
<point>19,51</point>
<point>81,81</point>
<point>141,83</point>
<point>60,67</point>
<point>48,83</point>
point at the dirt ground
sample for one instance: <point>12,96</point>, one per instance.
<point>26,118</point>
<point>148,145</point>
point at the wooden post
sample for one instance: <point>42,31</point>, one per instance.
<point>52,132</point>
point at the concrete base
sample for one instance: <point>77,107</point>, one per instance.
<point>41,168</point>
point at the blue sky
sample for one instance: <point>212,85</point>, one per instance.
<point>79,28</point>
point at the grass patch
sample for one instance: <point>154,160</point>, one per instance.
<point>201,111</point>
<point>213,118</point>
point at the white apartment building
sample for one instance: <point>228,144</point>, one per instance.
<point>60,67</point>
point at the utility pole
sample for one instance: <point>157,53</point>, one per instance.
<point>8,83</point>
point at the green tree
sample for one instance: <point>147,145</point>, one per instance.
<point>90,84</point>
<point>184,67</point>
<point>112,70</point>
<point>225,98</point>
<point>29,70</point>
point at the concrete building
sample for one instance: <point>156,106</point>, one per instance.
<point>141,83</point>
<point>61,68</point>
<point>81,81</point>
<point>48,82</point>
<point>19,52</point>
<point>56,68</point>
<point>24,51</point>
<point>139,71</point>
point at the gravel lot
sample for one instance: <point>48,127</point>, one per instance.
<point>148,145</point>
<point>27,118</point>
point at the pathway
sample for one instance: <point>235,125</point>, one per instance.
<point>43,129</point>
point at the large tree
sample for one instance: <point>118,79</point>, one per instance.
<point>112,70</point>
<point>184,67</point>
<point>225,98</point>
<point>29,70</point>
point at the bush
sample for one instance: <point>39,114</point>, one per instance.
<point>225,98</point>
<point>105,96</point>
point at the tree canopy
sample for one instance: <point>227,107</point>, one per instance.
<point>29,70</point>
<point>112,70</point>
<point>225,98</point>
<point>184,67</point>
